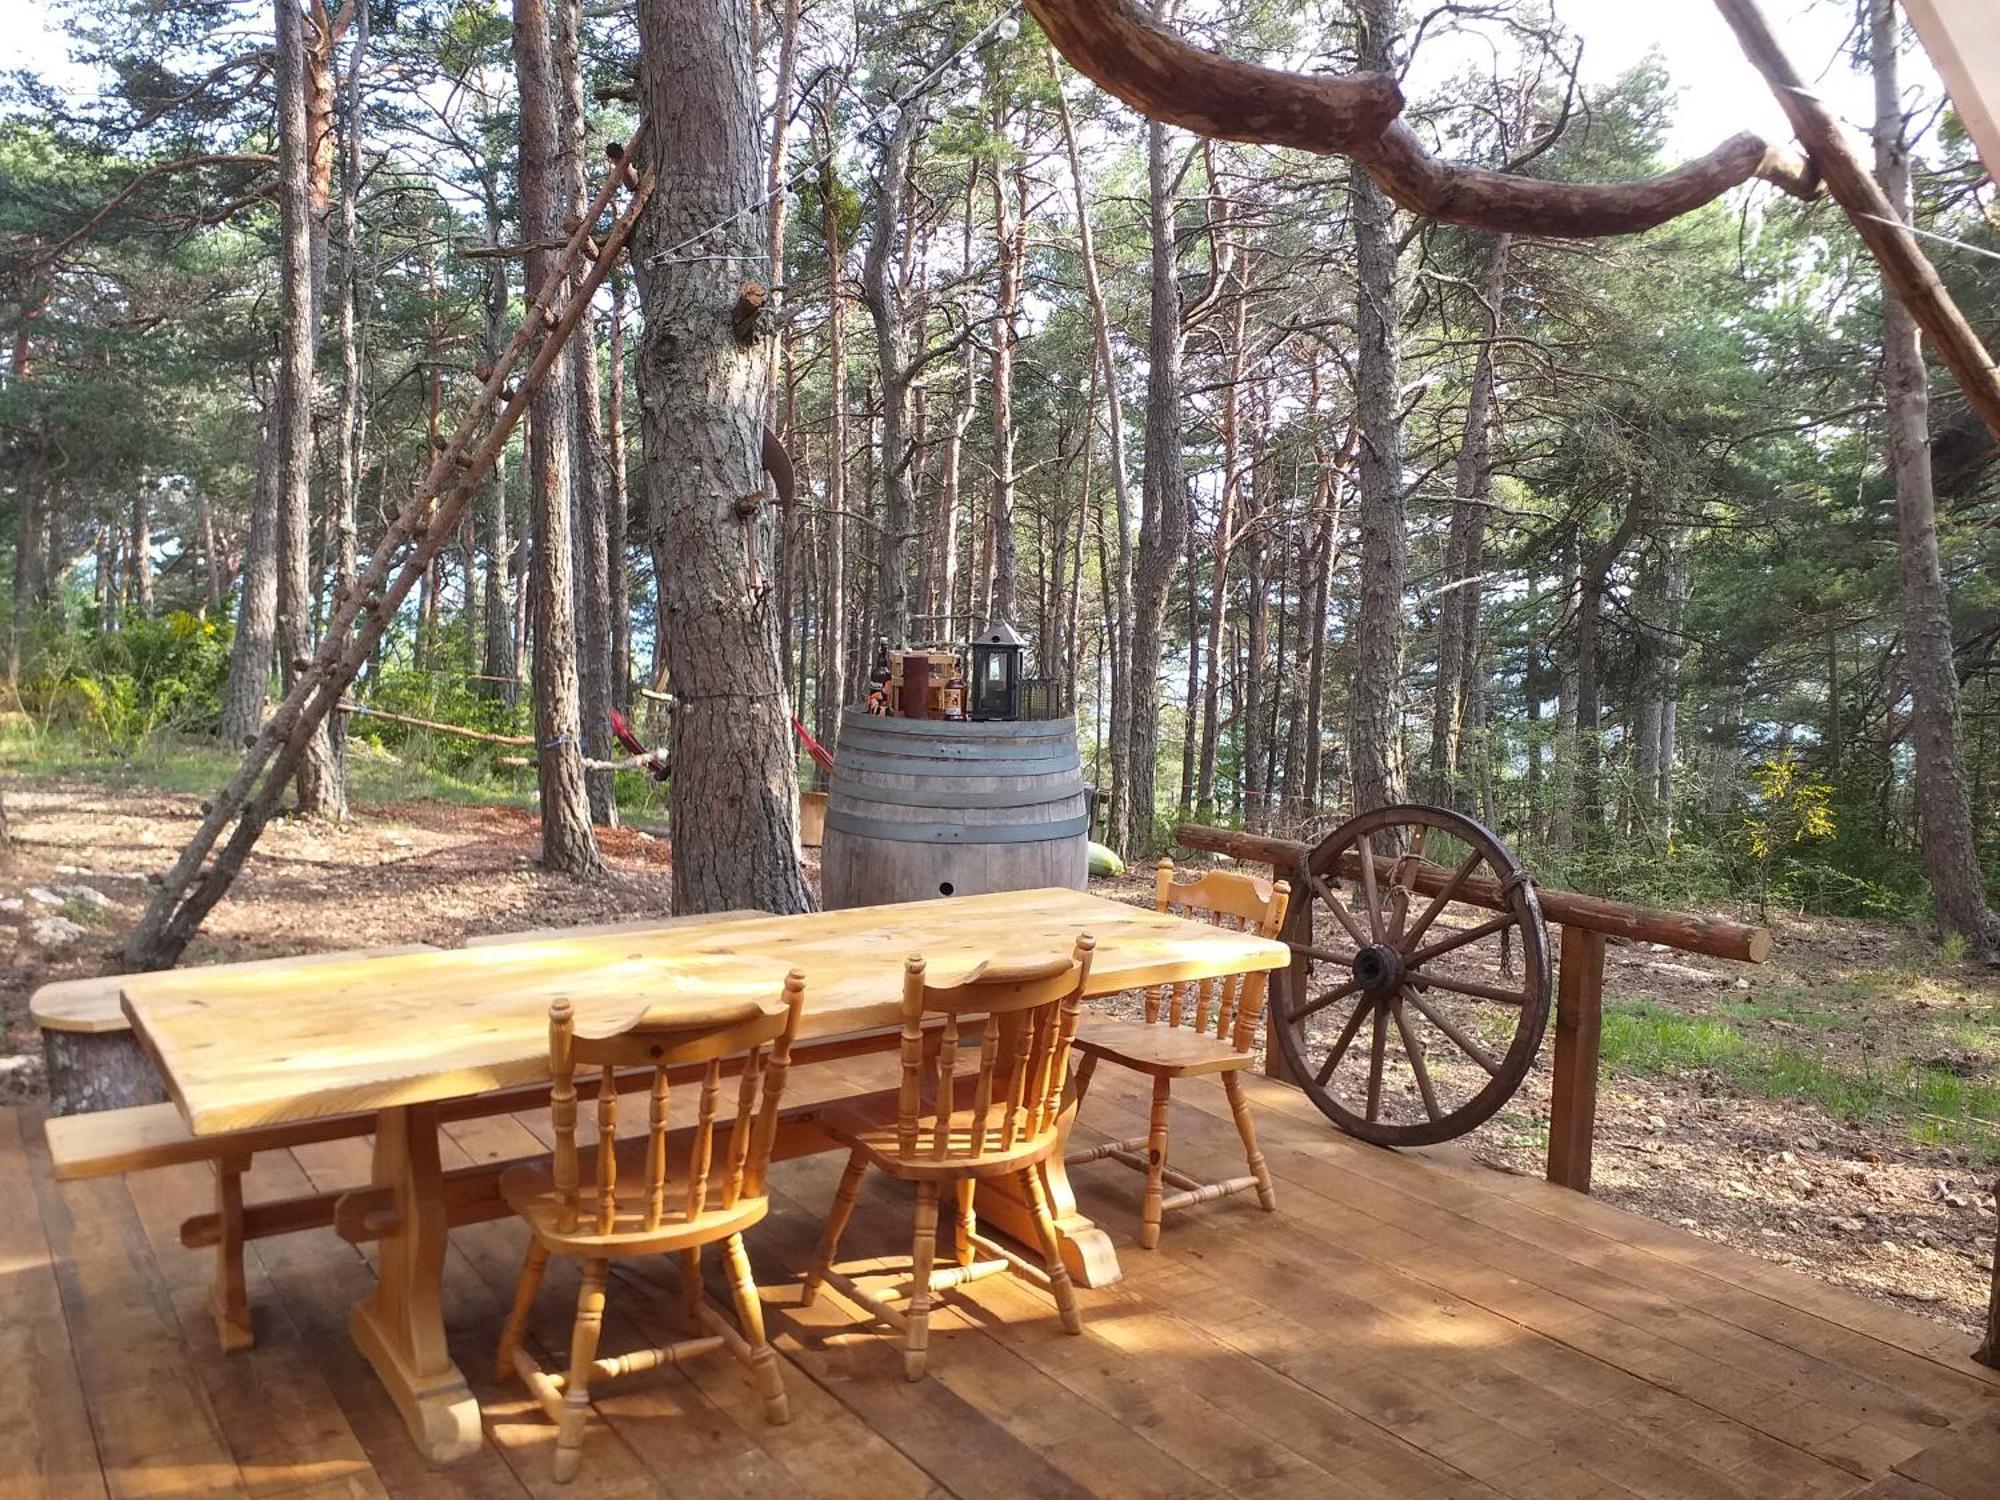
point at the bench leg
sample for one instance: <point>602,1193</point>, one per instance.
<point>400,1328</point>
<point>230,1299</point>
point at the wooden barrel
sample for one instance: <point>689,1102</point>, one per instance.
<point>921,808</point>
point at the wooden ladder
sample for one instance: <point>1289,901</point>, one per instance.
<point>362,614</point>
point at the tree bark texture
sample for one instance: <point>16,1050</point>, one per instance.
<point>1375,688</point>
<point>1458,612</point>
<point>881,290</point>
<point>248,689</point>
<point>735,793</point>
<point>567,843</point>
<point>320,790</point>
<point>1163,519</point>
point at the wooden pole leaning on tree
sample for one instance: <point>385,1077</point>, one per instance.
<point>429,519</point>
<point>1905,268</point>
<point>1143,63</point>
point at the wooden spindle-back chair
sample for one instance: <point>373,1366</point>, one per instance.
<point>985,1061</point>
<point>667,1191</point>
<point>1206,1026</point>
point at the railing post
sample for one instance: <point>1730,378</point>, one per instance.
<point>1579,1021</point>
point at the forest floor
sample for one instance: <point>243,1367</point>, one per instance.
<point>1837,1109</point>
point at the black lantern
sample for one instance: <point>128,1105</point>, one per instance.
<point>996,672</point>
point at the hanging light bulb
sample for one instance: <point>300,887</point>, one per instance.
<point>1009,27</point>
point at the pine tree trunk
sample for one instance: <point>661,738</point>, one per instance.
<point>320,789</point>
<point>1375,700</point>
<point>882,292</point>
<point>588,461</point>
<point>141,559</point>
<point>1225,539</point>
<point>567,844</point>
<point>1010,237</point>
<point>1944,813</point>
<point>247,691</point>
<point>735,793</point>
<point>617,511</point>
<point>1118,623</point>
<point>1163,520</point>
<point>833,596</point>
<point>1458,614</point>
<point>497,655</point>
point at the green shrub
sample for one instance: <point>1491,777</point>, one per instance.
<point>122,686</point>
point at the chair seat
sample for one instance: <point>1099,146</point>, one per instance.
<point>870,1127</point>
<point>529,1189</point>
<point>1175,1051</point>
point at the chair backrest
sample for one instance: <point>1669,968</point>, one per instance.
<point>1229,1007</point>
<point>1020,1062</point>
<point>696,1045</point>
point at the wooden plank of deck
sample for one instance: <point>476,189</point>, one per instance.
<point>47,1446</point>
<point>1405,1327</point>
<point>1715,1369</point>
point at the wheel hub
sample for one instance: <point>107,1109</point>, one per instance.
<point>1379,968</point>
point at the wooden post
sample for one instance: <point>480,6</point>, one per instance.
<point>1579,1022</point>
<point>1988,1352</point>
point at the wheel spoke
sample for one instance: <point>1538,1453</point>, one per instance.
<point>1331,897</point>
<point>1377,1046</point>
<point>1369,893</point>
<point>1414,1050</point>
<point>1451,1029</point>
<point>1469,987</point>
<point>1342,1043</point>
<point>1313,1007</point>
<point>1443,898</point>
<point>1459,939</point>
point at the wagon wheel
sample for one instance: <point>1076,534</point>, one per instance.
<point>1403,1015</point>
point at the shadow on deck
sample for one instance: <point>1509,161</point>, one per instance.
<point>1403,1326</point>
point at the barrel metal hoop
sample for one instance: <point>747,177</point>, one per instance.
<point>986,798</point>
<point>955,833</point>
<point>976,731</point>
<point>985,752</point>
<point>852,759</point>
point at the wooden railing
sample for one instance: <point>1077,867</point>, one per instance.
<point>1586,921</point>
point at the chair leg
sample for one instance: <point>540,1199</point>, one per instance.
<point>532,1267</point>
<point>576,1387</point>
<point>1239,1107</point>
<point>691,1289</point>
<point>967,1224</point>
<point>1150,1212</point>
<point>836,1225</point>
<point>923,1252</point>
<point>1045,1230</point>
<point>764,1367</point>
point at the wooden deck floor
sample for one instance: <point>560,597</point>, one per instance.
<point>1403,1327</point>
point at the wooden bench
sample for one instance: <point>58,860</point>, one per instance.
<point>150,1135</point>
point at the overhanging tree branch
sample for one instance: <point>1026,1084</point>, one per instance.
<point>1159,74</point>
<point>1905,268</point>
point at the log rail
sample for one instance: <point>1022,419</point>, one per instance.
<point>1586,922</point>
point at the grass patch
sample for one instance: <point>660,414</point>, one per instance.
<point>171,763</point>
<point>1935,1106</point>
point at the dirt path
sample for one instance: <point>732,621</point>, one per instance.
<point>1859,1201</point>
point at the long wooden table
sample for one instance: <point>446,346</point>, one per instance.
<point>241,1047</point>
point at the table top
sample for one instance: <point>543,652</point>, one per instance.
<point>241,1044</point>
